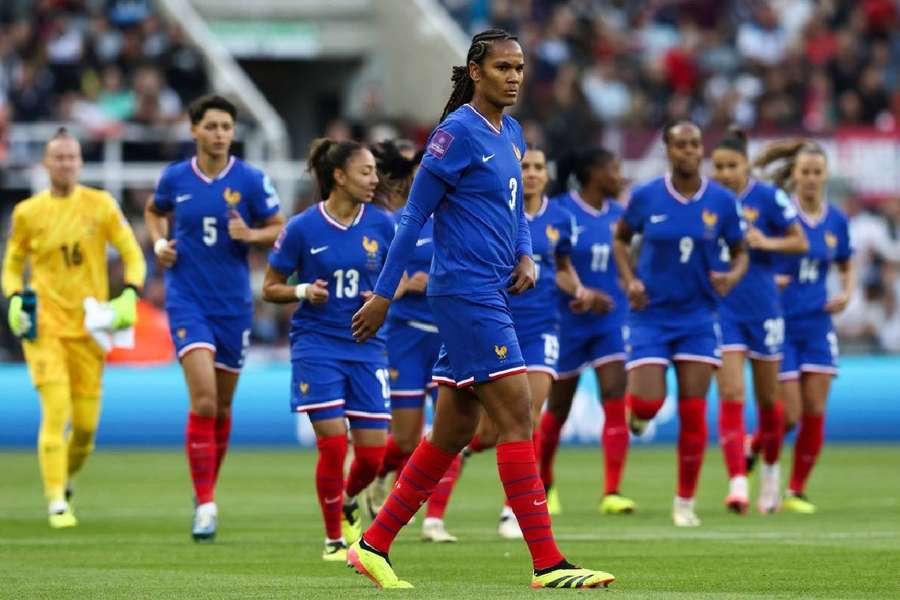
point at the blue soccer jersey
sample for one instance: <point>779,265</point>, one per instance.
<point>680,247</point>
<point>593,261</point>
<point>534,311</point>
<point>829,241</point>
<point>211,273</point>
<point>413,306</point>
<point>756,297</point>
<point>316,246</point>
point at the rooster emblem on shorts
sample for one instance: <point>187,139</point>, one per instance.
<point>500,351</point>
<point>552,234</point>
<point>304,387</point>
<point>232,197</point>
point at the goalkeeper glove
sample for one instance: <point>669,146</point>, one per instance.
<point>19,320</point>
<point>124,309</point>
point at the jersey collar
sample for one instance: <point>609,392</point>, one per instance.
<point>587,207</point>
<point>196,168</point>
<point>812,223</point>
<point>483,118</point>
<point>540,212</point>
<point>332,221</point>
<point>750,185</point>
<point>675,194</point>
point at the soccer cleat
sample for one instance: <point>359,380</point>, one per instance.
<point>683,514</point>
<point>203,528</point>
<point>567,576</point>
<point>62,519</point>
<point>554,506</point>
<point>750,455</point>
<point>737,500</point>
<point>367,561</point>
<point>798,503</point>
<point>376,494</point>
<point>351,524</point>
<point>770,490</point>
<point>636,425</point>
<point>509,527</point>
<point>614,504</point>
<point>335,551</point>
<point>433,530</point>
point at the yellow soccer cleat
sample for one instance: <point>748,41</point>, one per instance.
<point>798,503</point>
<point>568,576</point>
<point>351,524</point>
<point>335,552</point>
<point>636,425</point>
<point>614,504</point>
<point>62,520</point>
<point>375,566</point>
<point>554,506</point>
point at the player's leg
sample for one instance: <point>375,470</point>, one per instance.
<point>771,430</point>
<point>612,379</point>
<point>648,357</point>
<point>232,337</point>
<point>694,378</point>
<point>85,362</point>
<point>814,389</point>
<point>730,381</point>
<point>562,392</point>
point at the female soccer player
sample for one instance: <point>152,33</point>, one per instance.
<point>534,313</point>
<point>674,294</point>
<point>592,325</point>
<point>412,345</point>
<point>471,181</point>
<point>810,347</point>
<point>337,248</point>
<point>213,196</point>
<point>752,323</point>
<point>63,233</point>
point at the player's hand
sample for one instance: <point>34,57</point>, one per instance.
<point>722,282</point>
<point>124,309</point>
<point>370,317</point>
<point>317,292</point>
<point>756,239</point>
<point>238,230</point>
<point>523,276</point>
<point>837,303</point>
<point>165,252</point>
<point>418,283</point>
<point>19,320</point>
<point>637,294</point>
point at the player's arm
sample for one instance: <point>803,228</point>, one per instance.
<point>120,234</point>
<point>637,294</point>
<point>792,242</point>
<point>264,235</point>
<point>733,233</point>
<point>277,290</point>
<point>13,278</point>
<point>846,273</point>
<point>157,222</point>
<point>524,274</point>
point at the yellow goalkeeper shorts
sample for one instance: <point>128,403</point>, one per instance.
<point>77,362</point>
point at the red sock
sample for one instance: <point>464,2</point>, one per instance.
<point>691,444</point>
<point>615,442</point>
<point>200,445</point>
<point>549,442</point>
<point>525,494</point>
<point>437,504</point>
<point>731,436</point>
<point>475,444</point>
<point>366,460</point>
<point>394,457</point>
<point>416,483</point>
<point>223,432</point>
<point>330,482</point>
<point>536,441</point>
<point>806,450</point>
<point>771,432</point>
<point>643,408</point>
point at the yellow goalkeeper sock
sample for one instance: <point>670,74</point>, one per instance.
<point>85,415</point>
<point>55,411</point>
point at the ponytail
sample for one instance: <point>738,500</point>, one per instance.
<point>778,159</point>
<point>326,155</point>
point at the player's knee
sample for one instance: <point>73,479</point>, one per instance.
<point>731,391</point>
<point>82,437</point>
<point>203,404</point>
<point>613,389</point>
<point>406,441</point>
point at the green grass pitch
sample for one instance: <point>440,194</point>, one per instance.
<point>135,508</point>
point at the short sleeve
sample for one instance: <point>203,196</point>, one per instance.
<point>264,201</point>
<point>448,152</point>
<point>163,198</point>
<point>782,211</point>
<point>634,215</point>
<point>567,233</point>
<point>288,249</point>
<point>732,222</point>
<point>844,246</point>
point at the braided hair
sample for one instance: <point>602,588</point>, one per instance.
<point>778,159</point>
<point>463,85</point>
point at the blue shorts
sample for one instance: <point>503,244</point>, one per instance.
<point>662,344</point>
<point>810,346</point>
<point>413,349</point>
<point>479,339</point>
<point>541,351</point>
<point>328,389</point>
<point>761,340</point>
<point>227,337</point>
<point>577,352</point>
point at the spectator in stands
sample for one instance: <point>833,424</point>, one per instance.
<point>155,103</point>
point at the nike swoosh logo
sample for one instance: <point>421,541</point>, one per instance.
<point>317,250</point>
<point>536,503</point>
<point>332,500</point>
<point>182,197</point>
<point>422,242</point>
<point>580,229</point>
<point>658,218</point>
<point>486,158</point>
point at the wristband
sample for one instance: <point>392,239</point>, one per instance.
<point>160,245</point>
<point>300,291</point>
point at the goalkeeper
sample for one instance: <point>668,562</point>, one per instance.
<point>62,232</point>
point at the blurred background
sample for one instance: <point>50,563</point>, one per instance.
<point>599,72</point>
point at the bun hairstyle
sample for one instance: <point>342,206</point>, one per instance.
<point>778,159</point>
<point>735,139</point>
<point>394,170</point>
<point>579,165</point>
<point>463,85</point>
<point>326,155</point>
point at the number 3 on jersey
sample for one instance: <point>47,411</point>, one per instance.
<point>513,188</point>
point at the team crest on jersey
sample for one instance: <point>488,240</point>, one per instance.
<point>371,246</point>
<point>181,333</point>
<point>751,214</point>
<point>500,351</point>
<point>830,240</point>
<point>304,388</point>
<point>552,234</point>
<point>709,221</point>
<point>232,197</point>
<point>517,152</point>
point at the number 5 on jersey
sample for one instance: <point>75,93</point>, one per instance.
<point>210,232</point>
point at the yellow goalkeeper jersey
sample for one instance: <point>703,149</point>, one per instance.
<point>64,239</point>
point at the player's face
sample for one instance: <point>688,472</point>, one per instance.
<point>685,149</point>
<point>62,159</point>
<point>810,174</point>
<point>214,133</point>
<point>609,178</point>
<point>534,172</point>
<point>501,73</point>
<point>359,177</point>
<point>731,169</point>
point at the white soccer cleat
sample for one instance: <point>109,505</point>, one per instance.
<point>433,530</point>
<point>683,514</point>
<point>509,526</point>
<point>203,528</point>
<point>738,499</point>
<point>770,489</point>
